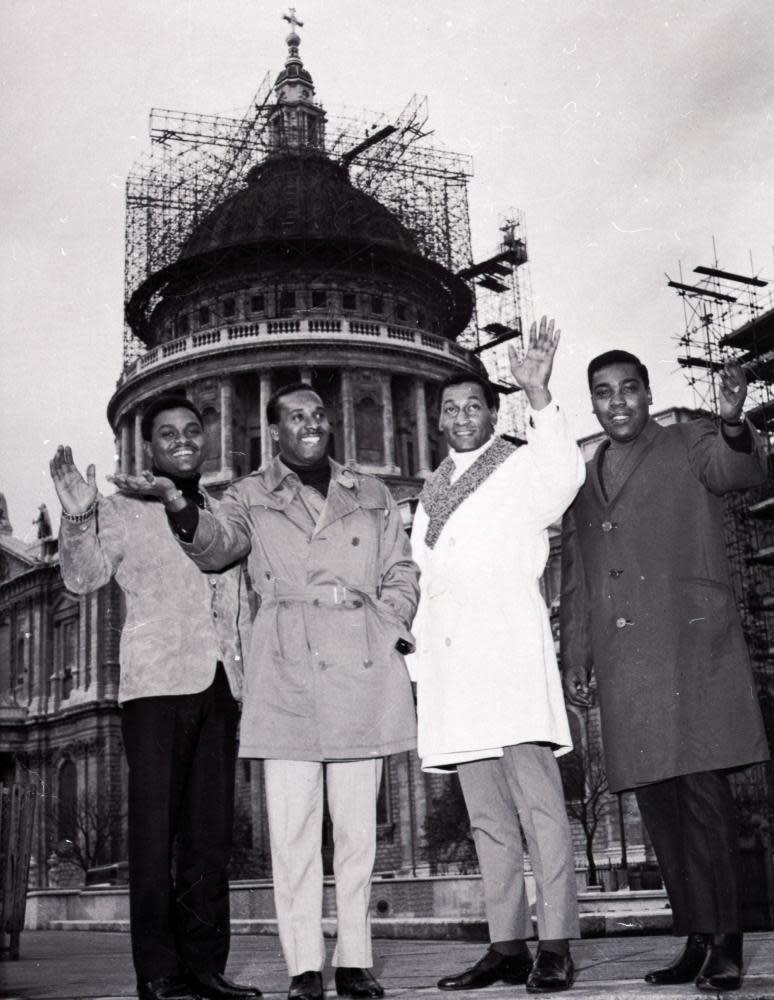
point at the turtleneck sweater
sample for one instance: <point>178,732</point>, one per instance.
<point>188,485</point>
<point>317,476</point>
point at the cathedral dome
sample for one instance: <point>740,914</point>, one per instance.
<point>298,197</point>
<point>301,206</point>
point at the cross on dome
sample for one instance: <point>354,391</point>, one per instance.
<point>292,19</point>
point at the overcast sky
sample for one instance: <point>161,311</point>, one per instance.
<point>629,134</point>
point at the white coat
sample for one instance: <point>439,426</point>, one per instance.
<point>485,664</point>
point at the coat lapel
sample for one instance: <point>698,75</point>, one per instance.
<point>342,496</point>
<point>634,459</point>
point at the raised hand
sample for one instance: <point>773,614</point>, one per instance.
<point>144,485</point>
<point>733,392</point>
<point>533,371</point>
<point>75,493</point>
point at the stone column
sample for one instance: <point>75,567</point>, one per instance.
<point>139,457</point>
<point>226,429</point>
<point>124,458</point>
<point>388,424</point>
<point>422,442</point>
<point>266,443</point>
<point>348,417</point>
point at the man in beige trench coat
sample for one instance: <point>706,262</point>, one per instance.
<point>326,690</point>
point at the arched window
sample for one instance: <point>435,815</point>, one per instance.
<point>66,652</point>
<point>369,435</point>
<point>67,813</point>
<point>211,424</point>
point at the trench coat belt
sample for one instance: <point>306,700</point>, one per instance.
<point>334,595</point>
<point>331,595</point>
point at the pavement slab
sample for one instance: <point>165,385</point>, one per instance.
<point>89,965</point>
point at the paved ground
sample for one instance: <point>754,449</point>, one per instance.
<point>88,965</point>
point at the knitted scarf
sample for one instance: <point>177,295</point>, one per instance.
<point>441,498</point>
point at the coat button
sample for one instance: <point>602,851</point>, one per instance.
<point>615,573</point>
<point>447,640</point>
<point>622,622</point>
<point>323,665</point>
<point>356,540</point>
<point>607,525</point>
<point>368,663</point>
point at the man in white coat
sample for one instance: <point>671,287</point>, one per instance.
<point>489,692</point>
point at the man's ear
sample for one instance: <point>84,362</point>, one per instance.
<point>650,397</point>
<point>274,432</point>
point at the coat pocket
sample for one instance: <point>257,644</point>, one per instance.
<point>704,616</point>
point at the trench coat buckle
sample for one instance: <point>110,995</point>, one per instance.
<point>347,597</point>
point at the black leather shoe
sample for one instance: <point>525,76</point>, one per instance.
<point>686,966</point>
<point>551,972</point>
<point>357,983</point>
<point>167,988</point>
<point>306,986</point>
<point>492,968</point>
<point>722,968</point>
<point>215,986</point>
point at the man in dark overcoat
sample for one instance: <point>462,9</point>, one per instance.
<point>647,605</point>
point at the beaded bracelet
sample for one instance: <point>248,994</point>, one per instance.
<point>79,518</point>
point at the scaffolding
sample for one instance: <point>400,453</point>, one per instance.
<point>730,317</point>
<point>717,308</point>
<point>502,311</point>
<point>197,160</point>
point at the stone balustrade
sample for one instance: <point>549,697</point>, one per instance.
<point>303,331</point>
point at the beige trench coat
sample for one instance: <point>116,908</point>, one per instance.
<point>323,680</point>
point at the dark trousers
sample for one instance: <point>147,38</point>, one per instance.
<point>691,820</point>
<point>181,751</point>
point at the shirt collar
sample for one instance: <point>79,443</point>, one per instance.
<point>276,472</point>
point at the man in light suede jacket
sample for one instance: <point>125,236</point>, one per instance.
<point>180,685</point>
<point>327,693</point>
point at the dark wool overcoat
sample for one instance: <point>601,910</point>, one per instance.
<point>647,603</point>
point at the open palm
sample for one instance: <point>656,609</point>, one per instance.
<point>533,371</point>
<point>733,391</point>
<point>75,493</point>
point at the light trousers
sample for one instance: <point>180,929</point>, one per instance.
<point>522,790</point>
<point>294,799</point>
